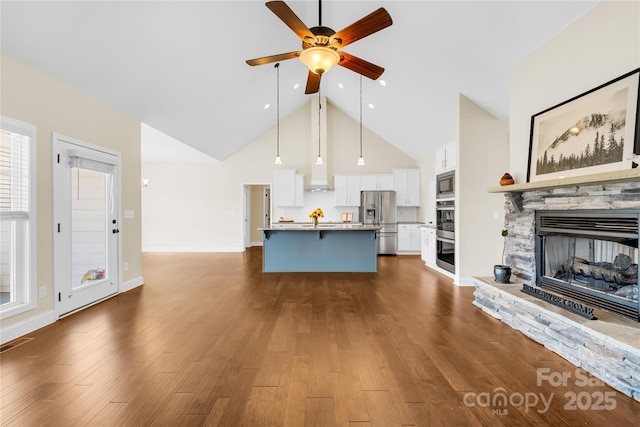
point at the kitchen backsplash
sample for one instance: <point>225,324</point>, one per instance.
<point>406,214</point>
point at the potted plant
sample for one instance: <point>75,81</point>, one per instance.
<point>502,272</point>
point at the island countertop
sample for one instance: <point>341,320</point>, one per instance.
<point>321,227</point>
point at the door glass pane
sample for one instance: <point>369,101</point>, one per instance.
<point>89,215</point>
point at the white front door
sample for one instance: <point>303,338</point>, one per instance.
<point>86,223</point>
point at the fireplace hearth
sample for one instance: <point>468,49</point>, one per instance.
<point>590,256</point>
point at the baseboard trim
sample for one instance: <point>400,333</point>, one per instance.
<point>465,281</point>
<point>193,249</point>
<point>23,327</point>
<point>256,243</point>
<point>131,284</point>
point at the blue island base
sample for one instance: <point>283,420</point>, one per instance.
<point>338,250</point>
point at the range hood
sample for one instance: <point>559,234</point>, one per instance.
<point>319,175</point>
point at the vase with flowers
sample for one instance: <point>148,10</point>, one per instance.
<point>317,213</point>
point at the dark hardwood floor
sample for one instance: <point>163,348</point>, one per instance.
<point>211,340</point>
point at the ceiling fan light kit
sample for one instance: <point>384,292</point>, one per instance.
<point>320,44</point>
<point>319,59</point>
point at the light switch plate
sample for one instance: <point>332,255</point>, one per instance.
<point>129,214</point>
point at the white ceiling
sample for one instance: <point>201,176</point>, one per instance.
<point>179,66</point>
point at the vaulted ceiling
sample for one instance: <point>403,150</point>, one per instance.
<point>179,66</point>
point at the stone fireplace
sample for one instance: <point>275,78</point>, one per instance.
<point>603,204</point>
<point>577,239</point>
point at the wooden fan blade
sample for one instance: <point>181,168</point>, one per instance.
<point>372,23</point>
<point>273,58</point>
<point>282,11</point>
<point>313,83</point>
<point>360,66</point>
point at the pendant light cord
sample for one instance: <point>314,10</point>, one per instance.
<point>278,110</point>
<point>319,107</point>
<point>361,116</point>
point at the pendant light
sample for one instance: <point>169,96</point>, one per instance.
<point>361,159</point>
<point>278,161</point>
<point>319,159</point>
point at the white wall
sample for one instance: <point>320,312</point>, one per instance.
<point>600,46</point>
<point>483,150</point>
<point>198,206</point>
<point>33,97</point>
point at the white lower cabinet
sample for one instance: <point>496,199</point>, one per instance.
<point>428,246</point>
<point>409,238</point>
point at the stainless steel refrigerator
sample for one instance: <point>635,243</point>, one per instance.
<point>379,208</point>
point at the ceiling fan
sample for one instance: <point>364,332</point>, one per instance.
<point>320,44</point>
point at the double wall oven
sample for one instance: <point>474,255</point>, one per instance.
<point>445,221</point>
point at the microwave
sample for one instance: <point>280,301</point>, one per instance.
<point>446,185</point>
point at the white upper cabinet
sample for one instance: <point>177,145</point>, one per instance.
<point>376,182</point>
<point>445,158</point>
<point>288,188</point>
<point>407,186</point>
<point>347,190</point>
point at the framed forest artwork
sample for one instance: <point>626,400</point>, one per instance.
<point>597,131</point>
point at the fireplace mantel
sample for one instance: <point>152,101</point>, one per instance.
<point>515,191</point>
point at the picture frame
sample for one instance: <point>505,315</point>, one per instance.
<point>595,132</point>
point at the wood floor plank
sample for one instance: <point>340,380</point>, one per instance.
<point>217,412</point>
<point>264,408</point>
<point>229,345</point>
<point>319,412</point>
<point>384,410</point>
<point>352,388</point>
<point>105,415</point>
<point>297,392</point>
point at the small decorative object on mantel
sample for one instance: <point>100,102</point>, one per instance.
<point>507,179</point>
<point>501,272</point>
<point>317,213</point>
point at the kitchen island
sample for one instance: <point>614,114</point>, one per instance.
<point>327,248</point>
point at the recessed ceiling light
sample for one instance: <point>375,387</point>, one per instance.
<point>383,83</point>
<point>296,86</point>
<point>340,85</point>
<point>371,106</point>
<point>266,106</point>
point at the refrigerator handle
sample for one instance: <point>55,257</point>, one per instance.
<point>380,208</point>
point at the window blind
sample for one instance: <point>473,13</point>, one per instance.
<point>14,175</point>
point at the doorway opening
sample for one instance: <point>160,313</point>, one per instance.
<point>256,212</point>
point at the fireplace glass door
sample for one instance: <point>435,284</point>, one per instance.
<point>590,256</point>
<point>597,265</point>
